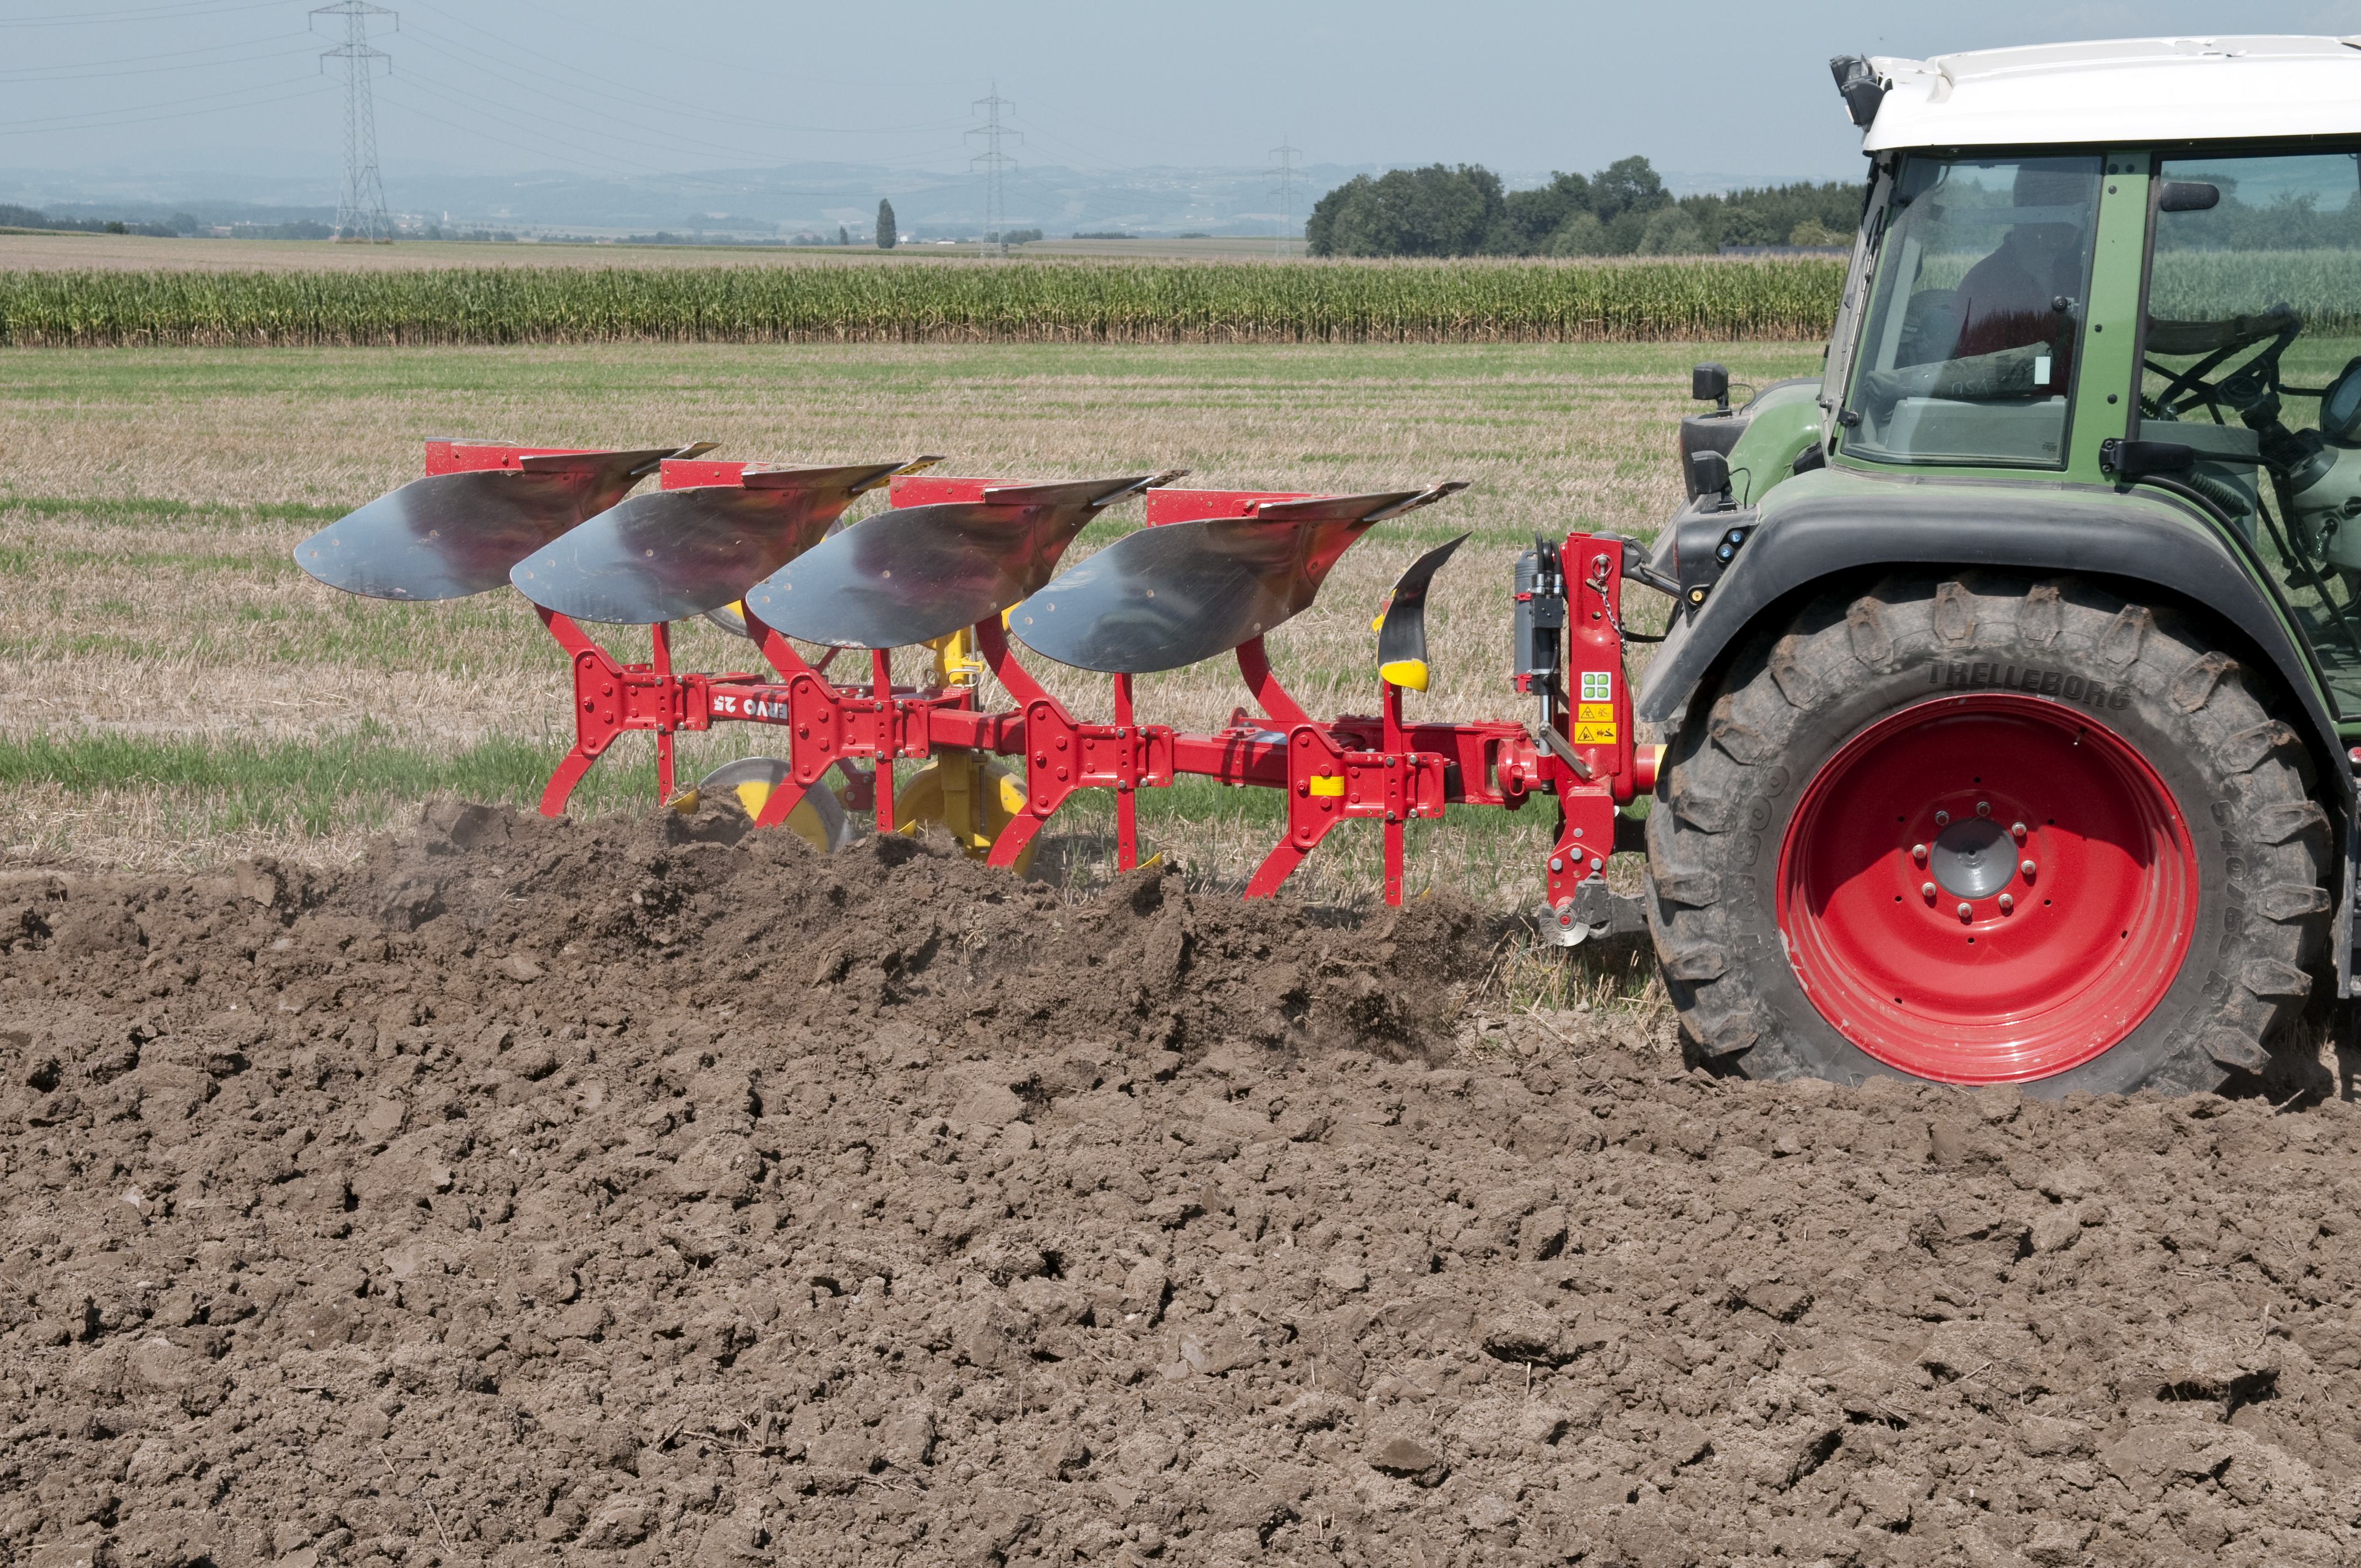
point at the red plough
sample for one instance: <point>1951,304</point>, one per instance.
<point>969,567</point>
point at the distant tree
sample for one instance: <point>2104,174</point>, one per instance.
<point>1535,217</point>
<point>1671,231</point>
<point>1626,185</point>
<point>887,235</point>
<point>844,235</point>
<point>1580,235</point>
<point>1435,210</point>
<point>1771,214</point>
<point>1811,231</point>
<point>1621,210</point>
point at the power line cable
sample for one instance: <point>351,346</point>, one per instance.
<point>179,54</point>
<point>573,104</point>
<point>50,125</point>
<point>398,87</point>
<point>150,12</point>
<point>154,70</point>
<point>540,53</point>
<point>645,45</point>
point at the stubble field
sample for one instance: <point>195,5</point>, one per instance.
<point>174,692</point>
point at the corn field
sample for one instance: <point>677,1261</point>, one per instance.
<point>1777,299</point>
<point>2323,286</point>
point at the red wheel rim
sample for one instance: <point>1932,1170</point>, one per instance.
<point>1996,974</point>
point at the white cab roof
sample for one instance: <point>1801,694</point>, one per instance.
<point>2120,91</point>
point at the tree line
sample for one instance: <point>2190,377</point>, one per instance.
<point>15,217</point>
<point>1621,210</point>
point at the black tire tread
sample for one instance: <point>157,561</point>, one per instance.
<point>1708,853</point>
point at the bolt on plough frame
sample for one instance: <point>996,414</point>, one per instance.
<point>968,567</point>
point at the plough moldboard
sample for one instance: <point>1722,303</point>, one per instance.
<point>968,567</point>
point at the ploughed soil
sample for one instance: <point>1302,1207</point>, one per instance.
<point>640,1192</point>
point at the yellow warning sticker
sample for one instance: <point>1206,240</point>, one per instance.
<point>1594,734</point>
<point>1594,713</point>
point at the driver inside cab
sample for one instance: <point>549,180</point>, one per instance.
<point>2012,298</point>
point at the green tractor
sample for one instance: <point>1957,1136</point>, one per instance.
<point>2013,682</point>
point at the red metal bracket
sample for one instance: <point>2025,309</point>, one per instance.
<point>1172,504</point>
<point>1327,785</point>
<point>610,697</point>
<point>480,456</point>
<point>1063,754</point>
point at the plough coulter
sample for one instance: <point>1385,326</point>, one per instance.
<point>968,568</point>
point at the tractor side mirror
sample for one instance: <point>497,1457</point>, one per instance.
<point>1712,472</point>
<point>2187,196</point>
<point>1710,383</point>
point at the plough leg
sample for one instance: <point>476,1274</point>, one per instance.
<point>561,784</point>
<point>660,637</point>
<point>881,664</point>
<point>1277,867</point>
<point>784,798</point>
<point>1126,799</point>
<point>1009,847</point>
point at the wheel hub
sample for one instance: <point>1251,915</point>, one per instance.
<point>1986,889</point>
<point>1974,858</point>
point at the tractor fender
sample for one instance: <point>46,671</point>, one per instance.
<point>1827,525</point>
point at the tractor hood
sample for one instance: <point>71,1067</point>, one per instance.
<point>2118,92</point>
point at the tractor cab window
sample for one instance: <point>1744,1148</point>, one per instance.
<point>1982,273</point>
<point>2252,358</point>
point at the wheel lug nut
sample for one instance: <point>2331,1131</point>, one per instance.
<point>2016,831</point>
<point>2027,867</point>
<point>1928,892</point>
<point>2006,903</point>
<point>1966,913</point>
<point>1942,819</point>
<point>1983,809</point>
<point>1918,853</point>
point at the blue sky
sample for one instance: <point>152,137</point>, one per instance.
<point>610,87</point>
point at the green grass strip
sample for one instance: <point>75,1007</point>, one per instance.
<point>159,508</point>
<point>310,785</point>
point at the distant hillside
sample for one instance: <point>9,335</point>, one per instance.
<point>804,199</point>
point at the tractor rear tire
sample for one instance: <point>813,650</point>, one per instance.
<point>1987,829</point>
